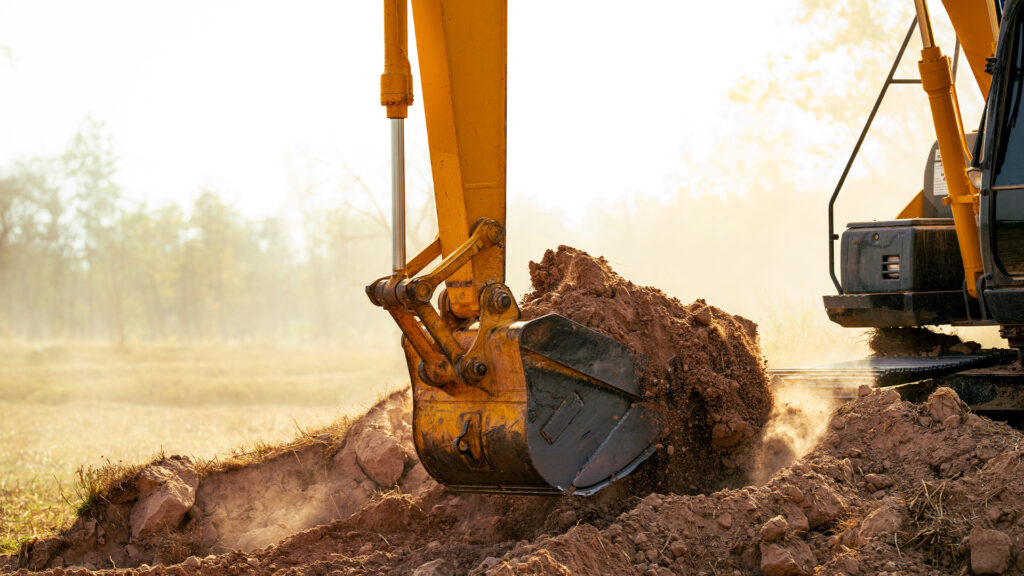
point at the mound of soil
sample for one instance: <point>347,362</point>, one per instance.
<point>701,365</point>
<point>915,341</point>
<point>174,508</point>
<point>891,488</point>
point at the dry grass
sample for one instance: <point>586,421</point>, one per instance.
<point>934,528</point>
<point>78,418</point>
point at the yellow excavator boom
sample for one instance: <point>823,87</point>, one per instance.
<point>499,404</point>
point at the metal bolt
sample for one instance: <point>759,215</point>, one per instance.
<point>501,301</point>
<point>421,290</point>
<point>479,369</point>
<point>495,232</point>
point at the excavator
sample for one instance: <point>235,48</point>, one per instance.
<point>499,404</point>
<point>550,406</point>
<point>955,254</point>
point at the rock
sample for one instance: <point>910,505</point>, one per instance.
<point>703,316</point>
<point>774,529</point>
<point>793,493</point>
<point>879,481</point>
<point>41,553</point>
<point>778,560</point>
<point>943,403</point>
<point>439,567</point>
<point>886,519</point>
<point>486,564</point>
<point>990,551</point>
<point>863,390</point>
<point>890,396</point>
<point>208,533</point>
<point>416,480</point>
<point>192,562</point>
<point>849,565</point>
<point>380,455</point>
<point>677,548</point>
<point>724,520</point>
<point>167,490</point>
<point>727,434</point>
<point>797,521</point>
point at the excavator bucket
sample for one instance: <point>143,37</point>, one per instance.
<point>558,411</point>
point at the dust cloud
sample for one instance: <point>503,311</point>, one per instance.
<point>798,420</point>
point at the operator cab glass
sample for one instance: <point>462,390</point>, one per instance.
<point>1008,169</point>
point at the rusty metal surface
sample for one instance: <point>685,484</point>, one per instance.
<point>536,420</point>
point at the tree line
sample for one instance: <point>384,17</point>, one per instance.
<point>80,261</point>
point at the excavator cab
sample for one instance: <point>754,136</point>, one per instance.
<point>499,404</point>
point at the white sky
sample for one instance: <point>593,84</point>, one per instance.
<point>605,99</point>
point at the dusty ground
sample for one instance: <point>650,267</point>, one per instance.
<point>892,487</point>
<point>69,404</point>
<point>889,487</point>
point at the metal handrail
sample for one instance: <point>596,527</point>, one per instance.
<point>889,80</point>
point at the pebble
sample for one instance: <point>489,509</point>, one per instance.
<point>794,494</point>
<point>677,548</point>
<point>774,529</point>
<point>990,551</point>
<point>724,520</point>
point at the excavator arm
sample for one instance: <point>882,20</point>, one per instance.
<point>499,404</point>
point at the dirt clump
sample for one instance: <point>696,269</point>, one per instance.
<point>917,341</point>
<point>701,365</point>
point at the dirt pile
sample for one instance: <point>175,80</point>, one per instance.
<point>892,488</point>
<point>174,508</point>
<point>914,341</point>
<point>703,366</point>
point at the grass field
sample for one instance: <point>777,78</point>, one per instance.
<point>64,406</point>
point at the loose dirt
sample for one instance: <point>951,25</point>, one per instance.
<point>914,341</point>
<point>889,487</point>
<point>701,365</point>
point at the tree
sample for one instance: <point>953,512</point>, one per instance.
<point>91,166</point>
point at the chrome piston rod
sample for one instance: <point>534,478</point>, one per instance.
<point>398,195</point>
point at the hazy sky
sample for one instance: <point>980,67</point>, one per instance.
<point>605,99</point>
